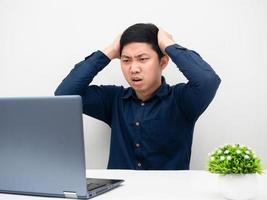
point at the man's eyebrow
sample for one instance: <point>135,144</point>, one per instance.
<point>138,56</point>
<point>124,56</point>
<point>142,54</point>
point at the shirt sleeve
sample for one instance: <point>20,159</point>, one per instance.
<point>97,100</point>
<point>194,96</point>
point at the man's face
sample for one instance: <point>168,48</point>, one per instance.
<point>142,67</point>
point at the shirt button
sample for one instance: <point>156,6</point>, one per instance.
<point>142,104</point>
<point>137,123</point>
<point>137,145</point>
<point>139,165</point>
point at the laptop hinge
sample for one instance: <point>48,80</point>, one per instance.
<point>71,195</point>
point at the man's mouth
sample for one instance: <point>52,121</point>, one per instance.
<point>136,80</point>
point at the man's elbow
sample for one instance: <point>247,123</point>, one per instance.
<point>58,92</point>
<point>63,90</point>
<point>213,81</point>
<point>216,80</point>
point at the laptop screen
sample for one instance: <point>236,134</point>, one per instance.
<point>41,141</point>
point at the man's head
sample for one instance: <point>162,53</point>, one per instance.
<point>142,61</point>
<point>145,33</point>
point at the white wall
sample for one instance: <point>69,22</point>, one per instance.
<point>41,40</point>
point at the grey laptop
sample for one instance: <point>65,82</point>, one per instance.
<point>42,148</point>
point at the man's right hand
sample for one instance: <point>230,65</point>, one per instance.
<point>113,50</point>
<point>165,39</point>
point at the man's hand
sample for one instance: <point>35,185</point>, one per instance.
<point>113,50</point>
<point>165,39</point>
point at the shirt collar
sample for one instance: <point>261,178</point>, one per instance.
<point>161,92</point>
<point>129,92</point>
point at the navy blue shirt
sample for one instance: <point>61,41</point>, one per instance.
<point>155,134</point>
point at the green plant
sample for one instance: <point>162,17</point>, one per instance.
<point>234,159</point>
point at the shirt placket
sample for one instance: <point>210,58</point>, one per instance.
<point>138,123</point>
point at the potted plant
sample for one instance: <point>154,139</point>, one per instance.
<point>237,166</point>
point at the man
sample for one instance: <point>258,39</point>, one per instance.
<point>151,122</point>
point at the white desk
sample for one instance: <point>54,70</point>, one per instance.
<point>167,185</point>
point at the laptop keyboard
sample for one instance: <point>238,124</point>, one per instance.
<point>92,186</point>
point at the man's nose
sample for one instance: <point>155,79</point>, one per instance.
<point>135,68</point>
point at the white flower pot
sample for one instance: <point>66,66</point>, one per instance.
<point>238,186</point>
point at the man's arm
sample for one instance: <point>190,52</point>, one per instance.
<point>203,82</point>
<point>77,81</point>
<point>82,75</point>
<point>96,100</point>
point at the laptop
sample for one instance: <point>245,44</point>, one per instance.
<point>42,148</point>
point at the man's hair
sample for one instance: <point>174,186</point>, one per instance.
<point>147,33</point>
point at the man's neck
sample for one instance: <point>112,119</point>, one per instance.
<point>143,96</point>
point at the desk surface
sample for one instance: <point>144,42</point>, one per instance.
<point>184,185</point>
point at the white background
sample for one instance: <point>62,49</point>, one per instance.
<point>41,41</point>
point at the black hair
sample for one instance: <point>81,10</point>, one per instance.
<point>147,33</point>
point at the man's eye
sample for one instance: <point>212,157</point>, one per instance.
<point>143,59</point>
<point>125,61</point>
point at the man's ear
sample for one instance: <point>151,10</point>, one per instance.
<point>164,61</point>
